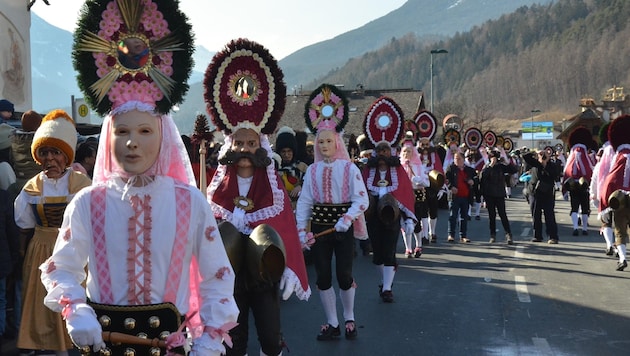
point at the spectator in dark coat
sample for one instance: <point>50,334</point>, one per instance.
<point>492,180</point>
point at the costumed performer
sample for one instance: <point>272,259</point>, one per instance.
<point>391,195</point>
<point>333,197</point>
<point>577,177</point>
<point>143,232</point>
<point>248,195</point>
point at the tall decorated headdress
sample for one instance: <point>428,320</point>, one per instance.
<point>133,50</point>
<point>326,108</point>
<point>384,122</point>
<point>244,88</point>
<point>473,138</point>
<point>427,124</point>
<point>135,55</point>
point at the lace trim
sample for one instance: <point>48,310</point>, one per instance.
<point>139,284</point>
<point>291,277</point>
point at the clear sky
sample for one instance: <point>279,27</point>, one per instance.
<point>282,26</point>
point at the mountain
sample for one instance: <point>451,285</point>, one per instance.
<point>54,78</point>
<point>429,20</point>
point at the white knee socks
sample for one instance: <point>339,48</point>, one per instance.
<point>574,219</point>
<point>584,222</point>
<point>388,277</point>
<point>329,303</point>
<point>347,300</point>
<point>607,232</point>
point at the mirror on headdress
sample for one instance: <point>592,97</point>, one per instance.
<point>244,87</point>
<point>133,52</point>
<point>384,121</point>
<point>328,111</point>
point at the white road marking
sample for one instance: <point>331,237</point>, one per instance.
<point>542,346</point>
<point>520,284</point>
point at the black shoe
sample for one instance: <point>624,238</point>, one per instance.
<point>387,296</point>
<point>425,241</point>
<point>552,242</point>
<point>433,238</point>
<point>576,232</point>
<point>610,250</point>
<point>584,232</point>
<point>492,239</point>
<point>536,239</point>
<point>477,217</point>
<point>417,252</point>
<point>328,332</point>
<point>351,330</point>
<point>508,239</point>
<point>622,265</point>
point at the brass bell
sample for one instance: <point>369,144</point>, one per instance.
<point>105,320</point>
<point>164,335</point>
<point>85,351</point>
<point>130,352</point>
<point>143,335</point>
<point>105,352</point>
<point>618,199</point>
<point>154,322</point>
<point>130,323</point>
<point>155,351</point>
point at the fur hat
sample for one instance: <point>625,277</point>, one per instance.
<point>617,131</point>
<point>31,121</point>
<point>286,139</point>
<point>6,131</point>
<point>6,105</point>
<point>580,135</point>
<point>57,130</point>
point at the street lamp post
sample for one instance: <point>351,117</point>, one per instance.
<point>434,51</point>
<point>535,111</point>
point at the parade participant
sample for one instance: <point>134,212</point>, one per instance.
<point>419,177</point>
<point>6,110</point>
<point>143,232</point>
<point>38,211</point>
<point>430,156</point>
<point>247,192</point>
<point>492,181</point>
<point>477,158</point>
<point>577,177</point>
<point>460,179</point>
<point>617,183</point>
<point>544,174</point>
<point>334,199</point>
<point>600,171</point>
<point>391,194</point>
<point>291,169</point>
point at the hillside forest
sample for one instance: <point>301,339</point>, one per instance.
<point>543,57</point>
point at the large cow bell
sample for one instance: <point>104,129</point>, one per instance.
<point>234,244</point>
<point>265,254</point>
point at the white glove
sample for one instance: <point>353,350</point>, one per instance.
<point>442,191</point>
<point>84,328</point>
<point>306,240</point>
<point>604,217</point>
<point>287,285</point>
<point>343,224</point>
<point>410,225</point>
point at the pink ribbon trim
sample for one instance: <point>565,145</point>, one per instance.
<point>67,306</point>
<point>221,332</point>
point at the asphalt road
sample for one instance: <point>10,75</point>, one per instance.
<point>480,298</point>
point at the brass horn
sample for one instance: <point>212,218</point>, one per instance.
<point>436,179</point>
